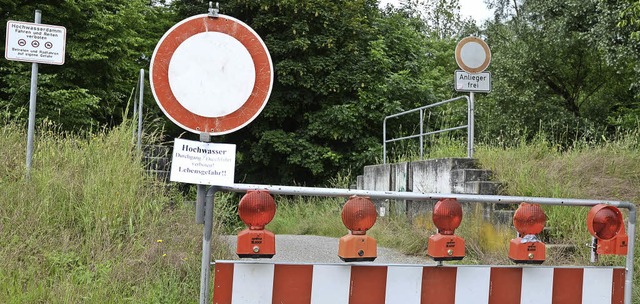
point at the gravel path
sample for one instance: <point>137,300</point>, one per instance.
<point>321,249</point>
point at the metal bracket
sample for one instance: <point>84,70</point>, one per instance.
<point>213,12</point>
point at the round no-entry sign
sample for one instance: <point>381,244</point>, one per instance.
<point>211,75</point>
<point>473,55</point>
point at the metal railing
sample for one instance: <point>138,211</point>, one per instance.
<point>422,134</point>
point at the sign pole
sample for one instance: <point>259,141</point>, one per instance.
<point>32,105</point>
<point>205,272</point>
<point>140,98</point>
<point>471,130</point>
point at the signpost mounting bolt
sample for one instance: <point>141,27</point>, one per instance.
<point>213,12</point>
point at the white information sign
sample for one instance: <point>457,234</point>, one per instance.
<point>34,42</point>
<point>203,163</point>
<point>468,82</point>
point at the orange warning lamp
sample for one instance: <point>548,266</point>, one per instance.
<point>256,209</point>
<point>444,245</point>
<point>529,220</point>
<point>606,224</point>
<point>358,215</point>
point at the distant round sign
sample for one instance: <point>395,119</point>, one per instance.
<point>211,75</point>
<point>473,55</point>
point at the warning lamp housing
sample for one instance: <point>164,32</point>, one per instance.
<point>606,224</point>
<point>256,209</point>
<point>444,245</point>
<point>529,220</point>
<point>358,215</point>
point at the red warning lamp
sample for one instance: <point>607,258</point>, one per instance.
<point>444,245</point>
<point>528,220</point>
<point>358,215</point>
<point>606,224</point>
<point>256,209</point>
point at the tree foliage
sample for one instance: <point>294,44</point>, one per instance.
<point>107,42</point>
<point>554,67</point>
<point>558,66</point>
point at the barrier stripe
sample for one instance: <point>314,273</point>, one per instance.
<point>593,291</point>
<point>501,289</point>
<point>368,285</point>
<point>292,281</point>
<point>437,285</point>
<point>221,286</point>
<point>538,285</point>
<point>617,290</point>
<point>252,283</point>
<point>330,284</point>
<point>256,283</point>
<point>403,284</point>
<point>567,285</point>
<point>471,285</point>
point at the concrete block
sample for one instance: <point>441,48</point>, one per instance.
<point>431,176</point>
<point>482,187</point>
<point>377,177</point>
<point>399,182</point>
<point>463,163</point>
<point>470,175</point>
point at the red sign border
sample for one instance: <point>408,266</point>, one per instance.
<point>487,51</point>
<point>159,74</point>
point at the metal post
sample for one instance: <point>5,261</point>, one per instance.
<point>593,258</point>
<point>202,189</point>
<point>421,134</point>
<point>470,128</point>
<point>135,113</point>
<point>32,105</point>
<point>384,141</point>
<point>140,99</point>
<point>205,273</point>
<point>628,278</point>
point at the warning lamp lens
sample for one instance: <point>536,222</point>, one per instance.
<point>529,219</point>
<point>359,214</point>
<point>604,222</point>
<point>257,208</point>
<point>447,215</point>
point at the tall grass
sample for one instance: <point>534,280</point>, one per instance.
<point>89,226</point>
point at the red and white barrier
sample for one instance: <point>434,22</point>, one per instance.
<point>240,282</point>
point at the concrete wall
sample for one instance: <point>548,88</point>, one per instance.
<point>446,175</point>
<point>427,176</point>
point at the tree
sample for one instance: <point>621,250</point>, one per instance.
<point>107,42</point>
<point>549,71</point>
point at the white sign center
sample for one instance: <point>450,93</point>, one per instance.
<point>212,74</point>
<point>473,54</point>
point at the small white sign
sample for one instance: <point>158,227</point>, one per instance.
<point>34,42</point>
<point>467,82</point>
<point>203,163</point>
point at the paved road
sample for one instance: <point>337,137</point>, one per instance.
<point>321,249</point>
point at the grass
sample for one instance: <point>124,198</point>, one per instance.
<point>89,226</point>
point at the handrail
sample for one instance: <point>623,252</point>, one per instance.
<point>469,127</point>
